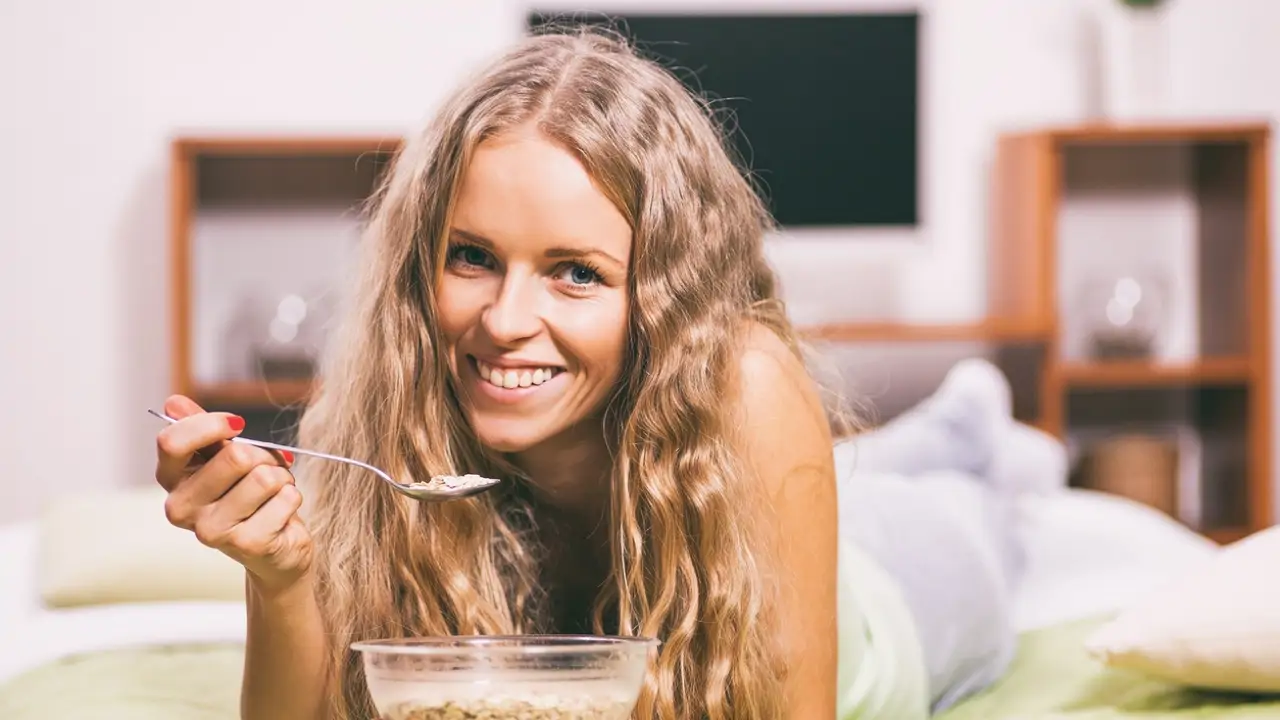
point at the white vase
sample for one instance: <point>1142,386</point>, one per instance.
<point>1135,48</point>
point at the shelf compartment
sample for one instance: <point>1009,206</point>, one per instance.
<point>1172,213</point>
<point>1221,488</point>
<point>261,225</point>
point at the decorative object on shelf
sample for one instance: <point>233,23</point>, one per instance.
<point>1136,59</point>
<point>289,339</point>
<point>1137,466</point>
<point>275,339</point>
<point>1124,316</point>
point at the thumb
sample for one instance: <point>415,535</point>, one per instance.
<point>181,406</point>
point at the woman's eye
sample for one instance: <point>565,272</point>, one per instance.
<point>581,275</point>
<point>469,255</point>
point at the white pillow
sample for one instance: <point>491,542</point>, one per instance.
<point>116,546</point>
<point>1216,627</point>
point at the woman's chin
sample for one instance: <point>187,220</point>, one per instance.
<point>506,436</point>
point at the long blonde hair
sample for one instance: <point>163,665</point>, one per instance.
<point>690,557</point>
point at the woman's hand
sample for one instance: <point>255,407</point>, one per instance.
<point>235,497</point>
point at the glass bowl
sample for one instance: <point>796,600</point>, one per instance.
<point>530,677</point>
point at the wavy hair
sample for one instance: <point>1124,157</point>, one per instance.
<point>691,563</point>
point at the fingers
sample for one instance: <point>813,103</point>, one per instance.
<point>208,484</point>
<point>179,442</point>
<point>257,535</point>
<point>240,502</point>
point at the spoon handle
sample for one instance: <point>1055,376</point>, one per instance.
<point>277,446</point>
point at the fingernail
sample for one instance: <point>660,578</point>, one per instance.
<point>288,456</point>
<point>236,422</point>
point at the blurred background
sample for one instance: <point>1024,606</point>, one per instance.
<point>1078,189</point>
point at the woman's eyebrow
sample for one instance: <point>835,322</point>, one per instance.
<point>473,238</point>
<point>570,253</point>
<point>556,253</point>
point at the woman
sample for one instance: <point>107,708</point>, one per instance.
<point>565,287</point>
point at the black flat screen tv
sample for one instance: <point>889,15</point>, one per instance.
<point>824,107</point>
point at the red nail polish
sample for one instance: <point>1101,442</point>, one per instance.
<point>288,456</point>
<point>236,422</point>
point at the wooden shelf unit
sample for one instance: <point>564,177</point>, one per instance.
<point>1038,174</point>
<point>245,179</point>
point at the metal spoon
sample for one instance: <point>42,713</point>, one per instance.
<point>441,488</point>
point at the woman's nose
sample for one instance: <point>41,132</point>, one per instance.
<point>513,316</point>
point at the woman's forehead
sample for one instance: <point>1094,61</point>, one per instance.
<point>521,189</point>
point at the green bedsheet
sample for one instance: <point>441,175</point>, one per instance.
<point>182,683</point>
<point>1052,679</point>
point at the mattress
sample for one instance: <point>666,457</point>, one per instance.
<point>1051,679</point>
<point>1088,554</point>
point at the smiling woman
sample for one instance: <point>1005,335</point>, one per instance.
<point>565,287</point>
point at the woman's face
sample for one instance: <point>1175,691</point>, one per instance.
<point>533,299</point>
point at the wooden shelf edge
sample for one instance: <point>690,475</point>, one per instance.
<point>232,144</point>
<point>1156,373</point>
<point>275,393</point>
<point>1227,535</point>
<point>980,331</point>
<point>1191,130</point>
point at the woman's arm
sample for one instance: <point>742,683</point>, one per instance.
<point>788,442</point>
<point>285,664</point>
<point>242,501</point>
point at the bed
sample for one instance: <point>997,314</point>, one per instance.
<point>182,660</point>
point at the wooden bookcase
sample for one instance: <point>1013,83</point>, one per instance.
<point>258,218</point>
<point>300,187</point>
<point>1192,197</point>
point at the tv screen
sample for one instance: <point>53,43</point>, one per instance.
<point>823,106</point>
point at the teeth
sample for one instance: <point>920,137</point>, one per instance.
<point>514,378</point>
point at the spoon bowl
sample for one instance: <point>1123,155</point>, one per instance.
<point>441,488</point>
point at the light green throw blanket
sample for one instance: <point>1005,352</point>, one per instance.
<point>882,670</point>
<point>1051,679</point>
<point>199,682</point>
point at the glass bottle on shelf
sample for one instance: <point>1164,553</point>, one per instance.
<point>281,337</point>
<point>1124,315</point>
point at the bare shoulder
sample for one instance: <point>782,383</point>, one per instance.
<point>775,383</point>
<point>787,442</point>
<point>783,421</point>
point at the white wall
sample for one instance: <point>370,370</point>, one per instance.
<point>94,91</point>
